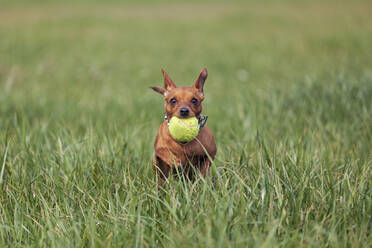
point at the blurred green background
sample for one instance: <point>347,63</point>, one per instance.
<point>288,97</point>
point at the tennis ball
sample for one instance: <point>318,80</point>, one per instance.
<point>183,130</point>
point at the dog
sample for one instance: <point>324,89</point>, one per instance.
<point>171,155</point>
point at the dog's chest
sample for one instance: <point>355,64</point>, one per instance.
<point>194,149</point>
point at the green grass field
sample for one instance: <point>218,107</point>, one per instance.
<point>289,98</point>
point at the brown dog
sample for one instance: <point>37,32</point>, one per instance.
<point>170,154</point>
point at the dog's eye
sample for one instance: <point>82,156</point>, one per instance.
<point>173,101</point>
<point>194,101</point>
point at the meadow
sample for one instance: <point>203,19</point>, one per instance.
<point>289,99</point>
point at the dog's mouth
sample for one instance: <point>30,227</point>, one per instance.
<point>202,119</point>
<point>184,117</point>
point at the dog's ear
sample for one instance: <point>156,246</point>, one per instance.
<point>199,83</point>
<point>168,82</point>
<point>158,89</point>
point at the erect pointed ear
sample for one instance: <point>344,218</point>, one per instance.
<point>199,83</point>
<point>168,82</point>
<point>158,89</point>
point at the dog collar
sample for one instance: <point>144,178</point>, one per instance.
<point>202,120</point>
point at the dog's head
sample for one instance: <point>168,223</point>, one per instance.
<point>183,102</point>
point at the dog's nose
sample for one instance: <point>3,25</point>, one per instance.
<point>184,112</point>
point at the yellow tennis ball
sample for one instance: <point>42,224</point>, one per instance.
<point>185,129</point>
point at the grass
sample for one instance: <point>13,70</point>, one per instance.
<point>289,98</point>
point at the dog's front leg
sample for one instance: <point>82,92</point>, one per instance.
<point>163,161</point>
<point>205,163</point>
<point>204,166</point>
